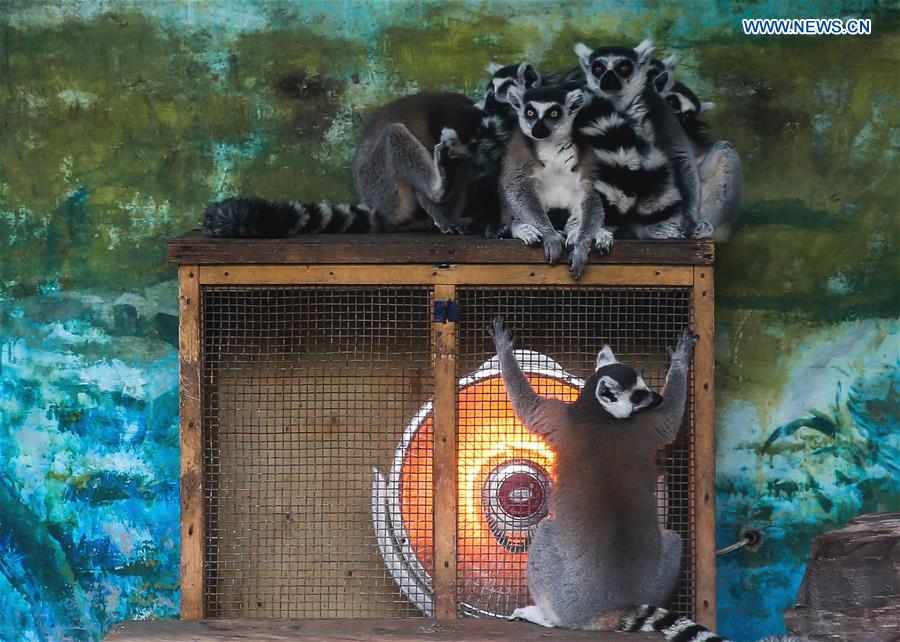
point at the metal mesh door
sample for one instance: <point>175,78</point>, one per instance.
<point>304,390</point>
<point>504,472</point>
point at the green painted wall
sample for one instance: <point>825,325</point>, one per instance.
<point>120,120</point>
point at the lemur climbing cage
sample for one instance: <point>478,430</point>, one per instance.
<point>347,447</point>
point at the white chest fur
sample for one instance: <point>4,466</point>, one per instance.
<point>556,176</point>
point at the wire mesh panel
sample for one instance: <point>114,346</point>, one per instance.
<point>505,473</point>
<point>307,392</point>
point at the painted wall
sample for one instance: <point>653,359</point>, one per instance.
<point>120,120</point>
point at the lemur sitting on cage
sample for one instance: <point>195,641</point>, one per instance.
<point>647,171</point>
<point>544,169</point>
<point>498,122</point>
<point>411,171</point>
<point>718,164</point>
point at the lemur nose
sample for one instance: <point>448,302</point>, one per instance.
<point>610,81</point>
<point>540,130</point>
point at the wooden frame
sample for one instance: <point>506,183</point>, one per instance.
<point>192,524</point>
<point>442,262</point>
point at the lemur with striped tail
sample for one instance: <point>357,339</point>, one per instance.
<point>602,550</point>
<point>411,171</point>
<point>718,163</point>
<point>498,123</point>
<point>647,171</point>
<point>544,170</point>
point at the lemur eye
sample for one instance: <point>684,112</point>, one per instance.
<point>554,113</point>
<point>672,100</point>
<point>530,113</point>
<point>598,69</point>
<point>625,68</point>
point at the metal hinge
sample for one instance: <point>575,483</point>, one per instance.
<point>445,311</point>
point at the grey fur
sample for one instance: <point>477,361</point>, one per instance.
<point>543,172</point>
<point>603,549</point>
<point>718,165</point>
<point>411,169</point>
<point>399,166</point>
<point>720,187</point>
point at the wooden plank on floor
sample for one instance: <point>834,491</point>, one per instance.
<point>356,630</point>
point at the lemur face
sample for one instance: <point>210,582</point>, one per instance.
<point>656,68</point>
<point>618,388</point>
<point>546,112</point>
<point>685,102</point>
<point>616,70</point>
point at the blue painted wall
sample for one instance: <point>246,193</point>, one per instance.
<point>120,120</point>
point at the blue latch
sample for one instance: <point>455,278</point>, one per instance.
<point>445,311</point>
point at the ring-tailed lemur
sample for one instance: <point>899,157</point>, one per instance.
<point>498,122</point>
<point>411,171</point>
<point>603,549</point>
<point>718,164</point>
<point>662,199</point>
<point>544,169</point>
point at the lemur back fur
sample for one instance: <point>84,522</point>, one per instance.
<point>602,547</point>
<point>411,171</point>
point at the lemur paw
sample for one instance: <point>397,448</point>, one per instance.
<point>703,230</point>
<point>501,336</point>
<point>579,259</point>
<point>458,228</point>
<point>451,142</point>
<point>497,232</point>
<point>684,349</point>
<point>603,240</point>
<point>554,244</point>
<point>532,614</point>
<point>528,234</point>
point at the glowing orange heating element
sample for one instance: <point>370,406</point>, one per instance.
<point>504,475</point>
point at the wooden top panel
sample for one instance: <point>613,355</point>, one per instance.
<point>362,630</point>
<point>193,248</point>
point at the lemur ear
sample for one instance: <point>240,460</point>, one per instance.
<point>643,50</point>
<point>648,400</point>
<point>584,54</point>
<point>528,75</point>
<point>574,100</point>
<point>605,357</point>
<point>706,107</point>
<point>501,90</point>
<point>662,82</point>
<point>493,68</point>
<point>514,96</point>
<point>670,62</point>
